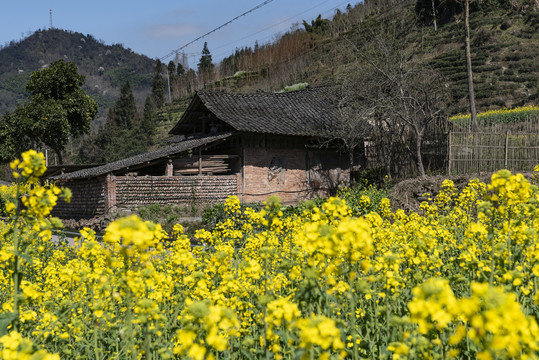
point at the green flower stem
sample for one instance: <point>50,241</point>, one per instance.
<point>16,264</point>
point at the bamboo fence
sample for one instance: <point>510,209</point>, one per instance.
<point>500,146</point>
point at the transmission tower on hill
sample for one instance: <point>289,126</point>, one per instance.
<point>50,19</point>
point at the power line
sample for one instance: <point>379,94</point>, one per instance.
<point>277,24</point>
<point>217,28</point>
<point>270,27</point>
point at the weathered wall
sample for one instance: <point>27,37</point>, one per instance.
<point>94,197</point>
<point>132,192</point>
<point>87,201</point>
<point>275,172</point>
<point>283,166</point>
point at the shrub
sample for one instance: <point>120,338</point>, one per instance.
<point>363,198</point>
<point>216,213</point>
<point>506,25</point>
<point>298,86</point>
<point>167,215</point>
<point>481,37</point>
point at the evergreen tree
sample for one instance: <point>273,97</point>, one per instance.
<point>105,142</point>
<point>171,69</point>
<point>147,125</point>
<point>125,108</point>
<point>158,86</point>
<point>124,132</point>
<point>180,70</point>
<point>205,64</point>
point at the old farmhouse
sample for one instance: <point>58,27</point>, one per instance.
<point>250,145</point>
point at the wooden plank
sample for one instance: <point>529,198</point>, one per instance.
<point>204,171</point>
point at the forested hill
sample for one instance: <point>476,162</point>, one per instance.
<point>106,67</point>
<point>343,49</point>
<point>504,45</point>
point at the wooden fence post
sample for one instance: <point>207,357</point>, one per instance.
<point>449,154</point>
<point>199,161</point>
<point>506,148</point>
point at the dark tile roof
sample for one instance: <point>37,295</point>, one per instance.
<point>308,112</point>
<point>149,157</point>
<point>54,170</point>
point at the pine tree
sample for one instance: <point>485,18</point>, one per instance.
<point>158,86</point>
<point>147,125</point>
<point>122,134</point>
<point>125,108</point>
<point>171,69</point>
<point>180,70</point>
<point>205,64</point>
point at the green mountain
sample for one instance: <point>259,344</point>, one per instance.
<point>504,44</point>
<point>106,67</point>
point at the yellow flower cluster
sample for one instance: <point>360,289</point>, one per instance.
<point>14,347</point>
<point>456,280</point>
<point>498,113</point>
<point>490,318</point>
<point>31,167</point>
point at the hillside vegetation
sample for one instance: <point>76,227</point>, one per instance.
<point>504,44</point>
<point>505,50</point>
<point>106,67</point>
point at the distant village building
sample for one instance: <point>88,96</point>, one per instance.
<point>250,145</point>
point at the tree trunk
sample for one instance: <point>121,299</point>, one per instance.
<point>59,153</point>
<point>434,15</point>
<point>351,166</point>
<point>471,95</point>
<point>419,160</point>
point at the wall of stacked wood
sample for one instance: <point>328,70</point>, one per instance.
<point>87,201</point>
<point>97,196</point>
<point>132,192</point>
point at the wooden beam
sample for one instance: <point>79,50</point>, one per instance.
<point>199,161</point>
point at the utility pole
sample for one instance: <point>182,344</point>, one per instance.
<point>50,19</point>
<point>168,85</point>
<point>469,74</point>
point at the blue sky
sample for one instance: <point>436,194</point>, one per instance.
<point>155,28</point>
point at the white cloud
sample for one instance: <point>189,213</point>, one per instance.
<point>164,31</point>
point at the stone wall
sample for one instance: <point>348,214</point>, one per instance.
<point>87,201</point>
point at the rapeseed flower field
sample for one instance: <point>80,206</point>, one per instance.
<point>514,115</point>
<point>457,280</point>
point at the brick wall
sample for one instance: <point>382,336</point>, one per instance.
<point>87,201</point>
<point>132,192</point>
<point>284,166</point>
<point>275,172</point>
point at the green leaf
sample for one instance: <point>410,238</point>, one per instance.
<point>6,319</point>
<point>28,259</point>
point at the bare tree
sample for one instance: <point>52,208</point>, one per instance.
<point>407,95</point>
<point>353,125</point>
